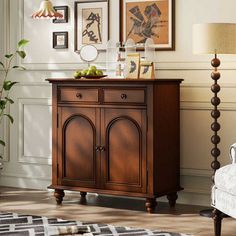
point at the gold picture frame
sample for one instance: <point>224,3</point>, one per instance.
<point>146,70</point>
<point>132,66</point>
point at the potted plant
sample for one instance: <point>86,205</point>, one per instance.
<point>6,84</point>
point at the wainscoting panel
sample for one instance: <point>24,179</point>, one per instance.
<point>30,138</point>
<point>35,131</point>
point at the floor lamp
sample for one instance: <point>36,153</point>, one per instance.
<point>214,38</point>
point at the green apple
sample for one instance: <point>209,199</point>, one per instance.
<point>77,74</point>
<point>84,72</point>
<point>91,72</point>
<point>93,68</point>
<point>99,73</point>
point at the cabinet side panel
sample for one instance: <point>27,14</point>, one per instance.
<point>54,134</point>
<point>166,138</point>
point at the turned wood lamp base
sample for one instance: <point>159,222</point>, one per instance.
<point>215,127</point>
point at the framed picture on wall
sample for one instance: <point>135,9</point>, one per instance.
<point>143,19</point>
<point>91,24</point>
<point>60,40</point>
<point>64,10</point>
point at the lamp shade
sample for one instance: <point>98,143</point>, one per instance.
<point>46,10</point>
<point>214,38</point>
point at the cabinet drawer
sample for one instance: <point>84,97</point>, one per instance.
<point>79,95</point>
<point>124,96</point>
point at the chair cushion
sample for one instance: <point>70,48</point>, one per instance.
<point>225,179</point>
<point>223,201</point>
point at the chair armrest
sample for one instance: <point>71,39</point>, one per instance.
<point>233,153</point>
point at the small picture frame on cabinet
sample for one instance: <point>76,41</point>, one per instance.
<point>132,66</point>
<point>64,10</point>
<point>60,40</point>
<point>146,70</point>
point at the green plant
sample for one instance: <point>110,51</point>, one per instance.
<point>6,85</point>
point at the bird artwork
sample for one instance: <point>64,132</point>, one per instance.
<point>146,69</point>
<point>133,67</point>
<point>133,61</point>
<point>147,19</point>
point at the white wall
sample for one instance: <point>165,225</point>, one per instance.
<point>28,162</point>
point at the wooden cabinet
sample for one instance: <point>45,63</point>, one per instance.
<point>116,136</point>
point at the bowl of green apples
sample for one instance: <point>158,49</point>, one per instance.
<point>91,73</point>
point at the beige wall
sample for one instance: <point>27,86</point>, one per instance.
<point>28,160</point>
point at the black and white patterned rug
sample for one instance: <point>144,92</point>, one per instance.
<point>12,224</point>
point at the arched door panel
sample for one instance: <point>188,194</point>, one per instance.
<point>78,141</point>
<point>124,158</point>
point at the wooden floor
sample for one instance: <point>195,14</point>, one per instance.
<point>112,210</point>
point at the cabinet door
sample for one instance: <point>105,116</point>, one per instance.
<point>124,153</point>
<point>78,138</point>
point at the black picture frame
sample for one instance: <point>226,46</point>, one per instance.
<point>57,44</point>
<point>77,43</point>
<point>65,10</point>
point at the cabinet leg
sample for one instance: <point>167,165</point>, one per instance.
<point>151,204</point>
<point>83,194</point>
<point>217,217</point>
<point>59,194</point>
<point>83,199</point>
<point>172,197</point>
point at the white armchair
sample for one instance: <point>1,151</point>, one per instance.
<point>224,192</point>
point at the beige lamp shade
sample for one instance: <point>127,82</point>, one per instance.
<point>46,10</point>
<point>214,38</point>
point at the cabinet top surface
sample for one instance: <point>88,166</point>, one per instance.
<point>111,80</point>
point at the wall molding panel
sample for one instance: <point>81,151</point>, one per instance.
<point>32,158</point>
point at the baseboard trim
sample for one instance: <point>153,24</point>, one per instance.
<point>187,196</point>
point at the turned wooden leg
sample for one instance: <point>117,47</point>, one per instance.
<point>59,194</point>
<point>172,197</point>
<point>83,194</point>
<point>151,204</point>
<point>83,199</point>
<point>217,217</point>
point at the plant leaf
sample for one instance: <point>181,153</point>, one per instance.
<point>3,104</point>
<point>9,100</point>
<point>19,67</point>
<point>22,43</point>
<point>8,84</point>
<point>22,54</point>
<point>10,117</point>
<point>2,65</point>
<point>2,143</point>
<point>8,56</point>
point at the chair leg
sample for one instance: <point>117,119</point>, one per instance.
<point>217,217</point>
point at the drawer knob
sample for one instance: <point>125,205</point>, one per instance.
<point>79,95</point>
<point>123,96</point>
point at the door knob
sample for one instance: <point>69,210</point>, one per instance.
<point>97,148</point>
<point>102,149</point>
